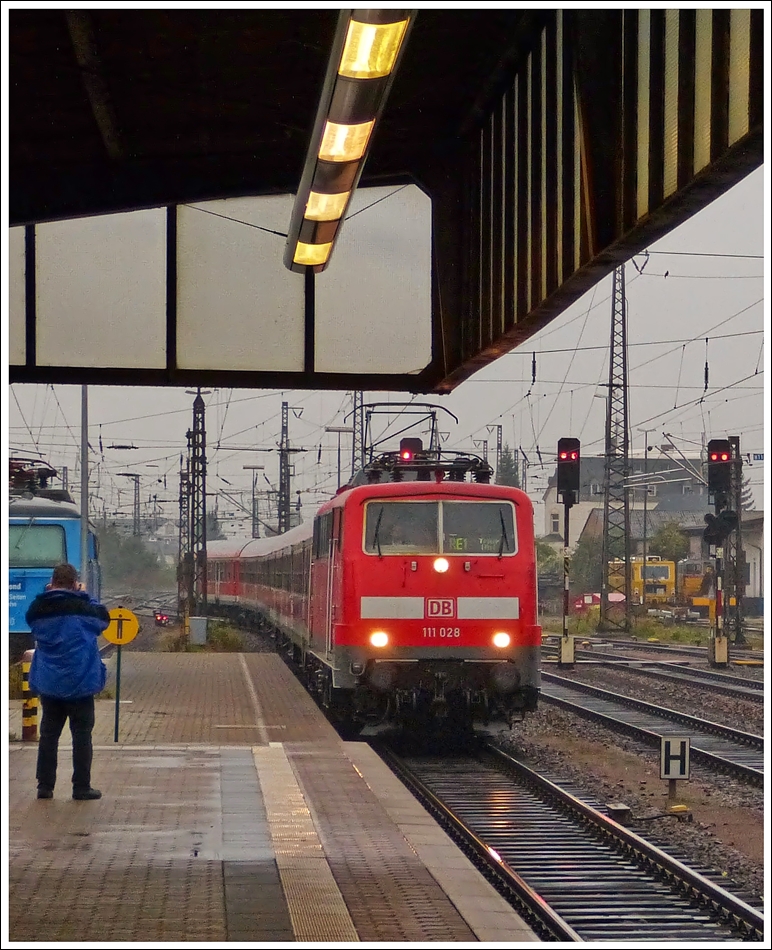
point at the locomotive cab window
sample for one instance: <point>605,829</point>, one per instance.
<point>656,572</point>
<point>36,545</point>
<point>478,528</point>
<point>440,528</point>
<point>401,528</point>
<point>322,535</point>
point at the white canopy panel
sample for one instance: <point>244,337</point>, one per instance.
<point>164,293</point>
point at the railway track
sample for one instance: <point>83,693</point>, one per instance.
<point>572,872</point>
<point>751,690</point>
<point>739,687</point>
<point>646,646</point>
<point>721,748</point>
<point>143,602</point>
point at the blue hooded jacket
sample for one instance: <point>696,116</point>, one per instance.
<point>66,663</point>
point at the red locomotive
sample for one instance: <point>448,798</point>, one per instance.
<point>411,598</point>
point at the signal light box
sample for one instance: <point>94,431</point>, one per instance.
<point>409,447</point>
<point>568,469</point>
<point>719,466</point>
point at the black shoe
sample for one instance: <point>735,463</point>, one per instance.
<point>86,794</point>
<point>45,793</point>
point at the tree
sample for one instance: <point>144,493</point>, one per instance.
<point>126,561</point>
<point>586,572</point>
<point>213,529</point>
<point>508,473</point>
<point>547,558</point>
<point>670,542</point>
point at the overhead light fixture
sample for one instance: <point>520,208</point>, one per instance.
<point>365,54</point>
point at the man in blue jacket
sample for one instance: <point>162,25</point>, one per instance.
<point>66,673</point>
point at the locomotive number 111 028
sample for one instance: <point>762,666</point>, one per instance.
<point>442,632</point>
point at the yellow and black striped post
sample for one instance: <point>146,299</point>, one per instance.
<point>29,715</point>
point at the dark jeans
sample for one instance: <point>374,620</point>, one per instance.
<point>55,713</point>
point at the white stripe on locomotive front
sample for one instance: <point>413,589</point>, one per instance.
<point>392,608</point>
<point>412,608</point>
<point>488,608</point>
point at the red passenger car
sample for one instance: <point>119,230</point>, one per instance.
<point>412,597</point>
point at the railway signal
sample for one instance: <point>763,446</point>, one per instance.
<point>568,470</point>
<point>409,448</point>
<point>719,466</point>
<point>719,527</point>
<point>568,490</point>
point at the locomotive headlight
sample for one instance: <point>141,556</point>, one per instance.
<point>501,640</point>
<point>379,638</point>
<point>441,565</point>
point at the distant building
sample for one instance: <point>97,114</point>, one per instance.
<point>753,546</point>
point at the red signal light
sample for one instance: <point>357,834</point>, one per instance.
<point>408,448</point>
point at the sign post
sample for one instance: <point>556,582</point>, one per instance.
<point>673,763</point>
<point>124,626</point>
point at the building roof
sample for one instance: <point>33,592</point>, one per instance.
<point>691,522</point>
<point>655,519</point>
<point>667,475</point>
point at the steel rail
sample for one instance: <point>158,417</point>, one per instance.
<point>533,908</point>
<point>696,651</point>
<point>750,690</point>
<point>742,688</point>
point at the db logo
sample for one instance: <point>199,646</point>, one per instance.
<point>440,607</point>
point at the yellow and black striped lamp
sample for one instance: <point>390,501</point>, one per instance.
<point>364,58</point>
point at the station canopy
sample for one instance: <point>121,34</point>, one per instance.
<point>155,157</point>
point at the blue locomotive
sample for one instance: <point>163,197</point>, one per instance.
<point>43,530</point>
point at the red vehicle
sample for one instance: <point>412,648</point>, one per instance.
<point>406,600</point>
<point>584,602</point>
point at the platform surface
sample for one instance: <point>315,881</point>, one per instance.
<point>231,811</point>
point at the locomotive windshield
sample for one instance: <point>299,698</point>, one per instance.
<point>656,572</point>
<point>691,568</point>
<point>401,527</point>
<point>397,527</point>
<point>478,528</point>
<point>36,545</point>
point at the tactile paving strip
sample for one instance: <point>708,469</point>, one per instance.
<point>316,906</point>
<point>390,893</point>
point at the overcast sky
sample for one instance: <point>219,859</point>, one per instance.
<point>703,282</point>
